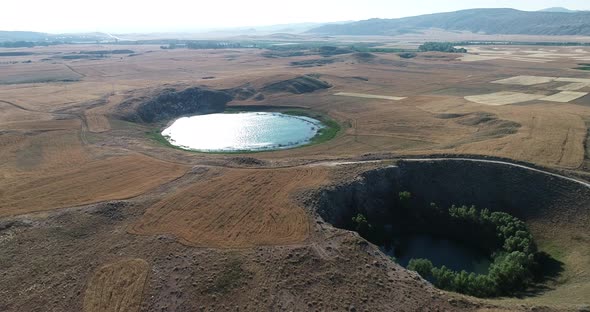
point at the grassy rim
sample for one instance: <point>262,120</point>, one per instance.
<point>330,130</point>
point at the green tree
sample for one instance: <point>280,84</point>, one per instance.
<point>422,266</point>
<point>361,225</point>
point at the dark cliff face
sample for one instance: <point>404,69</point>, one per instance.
<point>371,194</point>
<point>171,103</point>
<point>299,85</point>
<point>530,195</point>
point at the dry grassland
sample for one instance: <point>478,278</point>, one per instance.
<point>93,181</point>
<point>117,287</point>
<point>97,122</point>
<point>556,138</point>
<point>242,208</point>
<point>370,96</point>
<point>42,125</point>
<point>28,73</point>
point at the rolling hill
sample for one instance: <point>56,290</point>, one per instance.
<point>488,21</point>
<point>31,36</point>
<point>558,9</point>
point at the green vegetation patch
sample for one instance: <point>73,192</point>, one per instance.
<point>516,262</point>
<point>583,66</point>
<point>328,132</point>
<point>441,47</point>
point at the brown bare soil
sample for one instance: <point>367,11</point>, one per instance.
<point>117,287</point>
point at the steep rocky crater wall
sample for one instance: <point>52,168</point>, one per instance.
<point>532,196</point>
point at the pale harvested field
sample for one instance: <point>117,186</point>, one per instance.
<point>568,79</point>
<point>117,287</point>
<point>94,181</point>
<point>525,80</point>
<point>370,96</point>
<point>503,98</point>
<point>564,96</point>
<point>524,54</point>
<point>242,208</point>
<point>573,86</point>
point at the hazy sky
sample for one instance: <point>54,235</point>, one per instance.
<point>187,15</point>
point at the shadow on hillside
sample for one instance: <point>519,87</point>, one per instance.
<point>548,271</point>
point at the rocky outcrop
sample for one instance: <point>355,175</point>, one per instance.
<point>171,103</point>
<point>299,85</point>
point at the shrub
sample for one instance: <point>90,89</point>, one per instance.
<point>422,266</point>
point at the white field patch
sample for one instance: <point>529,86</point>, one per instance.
<point>573,86</point>
<point>503,98</point>
<point>478,53</point>
<point>564,96</point>
<point>370,96</point>
<point>525,80</point>
<point>566,79</point>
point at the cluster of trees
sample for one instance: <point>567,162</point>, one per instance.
<point>500,235</point>
<point>27,44</point>
<point>204,44</point>
<point>507,240</point>
<point>441,47</point>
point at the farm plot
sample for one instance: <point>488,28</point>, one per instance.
<point>241,208</point>
<point>564,96</point>
<point>503,98</point>
<point>573,86</point>
<point>525,80</point>
<point>94,181</point>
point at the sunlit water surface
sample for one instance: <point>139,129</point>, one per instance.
<point>241,131</point>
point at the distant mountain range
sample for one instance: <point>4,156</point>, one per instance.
<point>44,37</point>
<point>550,21</point>
<point>559,10</point>
<point>488,21</point>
